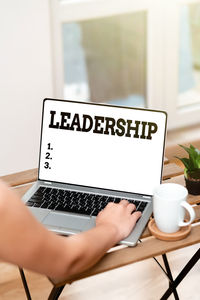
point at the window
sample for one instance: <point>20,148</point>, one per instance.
<point>189,55</point>
<point>134,53</point>
<point>181,87</point>
<point>93,71</point>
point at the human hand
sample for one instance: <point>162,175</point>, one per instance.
<point>121,216</point>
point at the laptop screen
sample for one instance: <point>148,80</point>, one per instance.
<point>102,146</point>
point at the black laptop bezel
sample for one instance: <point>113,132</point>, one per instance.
<point>100,104</point>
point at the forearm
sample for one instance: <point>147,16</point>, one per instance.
<point>89,247</point>
<point>22,238</point>
<point>61,257</point>
<point>25,242</point>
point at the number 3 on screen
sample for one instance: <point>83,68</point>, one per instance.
<point>46,165</point>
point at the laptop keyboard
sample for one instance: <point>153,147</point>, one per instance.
<point>75,202</point>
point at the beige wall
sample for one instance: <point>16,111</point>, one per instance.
<point>25,79</point>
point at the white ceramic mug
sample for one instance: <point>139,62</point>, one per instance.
<point>169,204</point>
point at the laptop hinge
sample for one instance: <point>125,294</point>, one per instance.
<point>49,183</point>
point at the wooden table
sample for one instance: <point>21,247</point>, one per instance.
<point>120,256</point>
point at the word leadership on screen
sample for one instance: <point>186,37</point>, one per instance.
<point>103,125</point>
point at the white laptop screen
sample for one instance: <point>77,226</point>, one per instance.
<point>102,146</point>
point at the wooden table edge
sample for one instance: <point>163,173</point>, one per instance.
<point>151,247</point>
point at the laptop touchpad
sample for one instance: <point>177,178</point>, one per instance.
<point>66,221</point>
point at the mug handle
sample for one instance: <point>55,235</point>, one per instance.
<point>191,212</point>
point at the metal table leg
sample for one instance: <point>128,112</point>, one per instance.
<point>182,274</point>
<point>55,292</point>
<point>168,274</point>
<point>28,295</point>
<point>171,282</point>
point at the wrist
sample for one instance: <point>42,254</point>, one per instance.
<point>112,231</point>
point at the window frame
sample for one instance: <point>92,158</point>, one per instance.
<point>180,113</point>
<point>162,59</point>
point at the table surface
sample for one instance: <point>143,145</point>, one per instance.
<point>122,255</point>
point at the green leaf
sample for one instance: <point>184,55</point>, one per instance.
<point>197,156</point>
<point>195,174</point>
<point>185,148</point>
<point>185,161</point>
<point>198,162</point>
<point>185,173</point>
<point>193,156</point>
<point>195,151</point>
<point>198,151</point>
<point>192,164</point>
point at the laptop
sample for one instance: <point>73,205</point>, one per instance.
<point>92,154</point>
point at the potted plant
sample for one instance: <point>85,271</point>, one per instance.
<point>192,169</point>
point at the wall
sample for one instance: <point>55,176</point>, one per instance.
<point>25,79</point>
